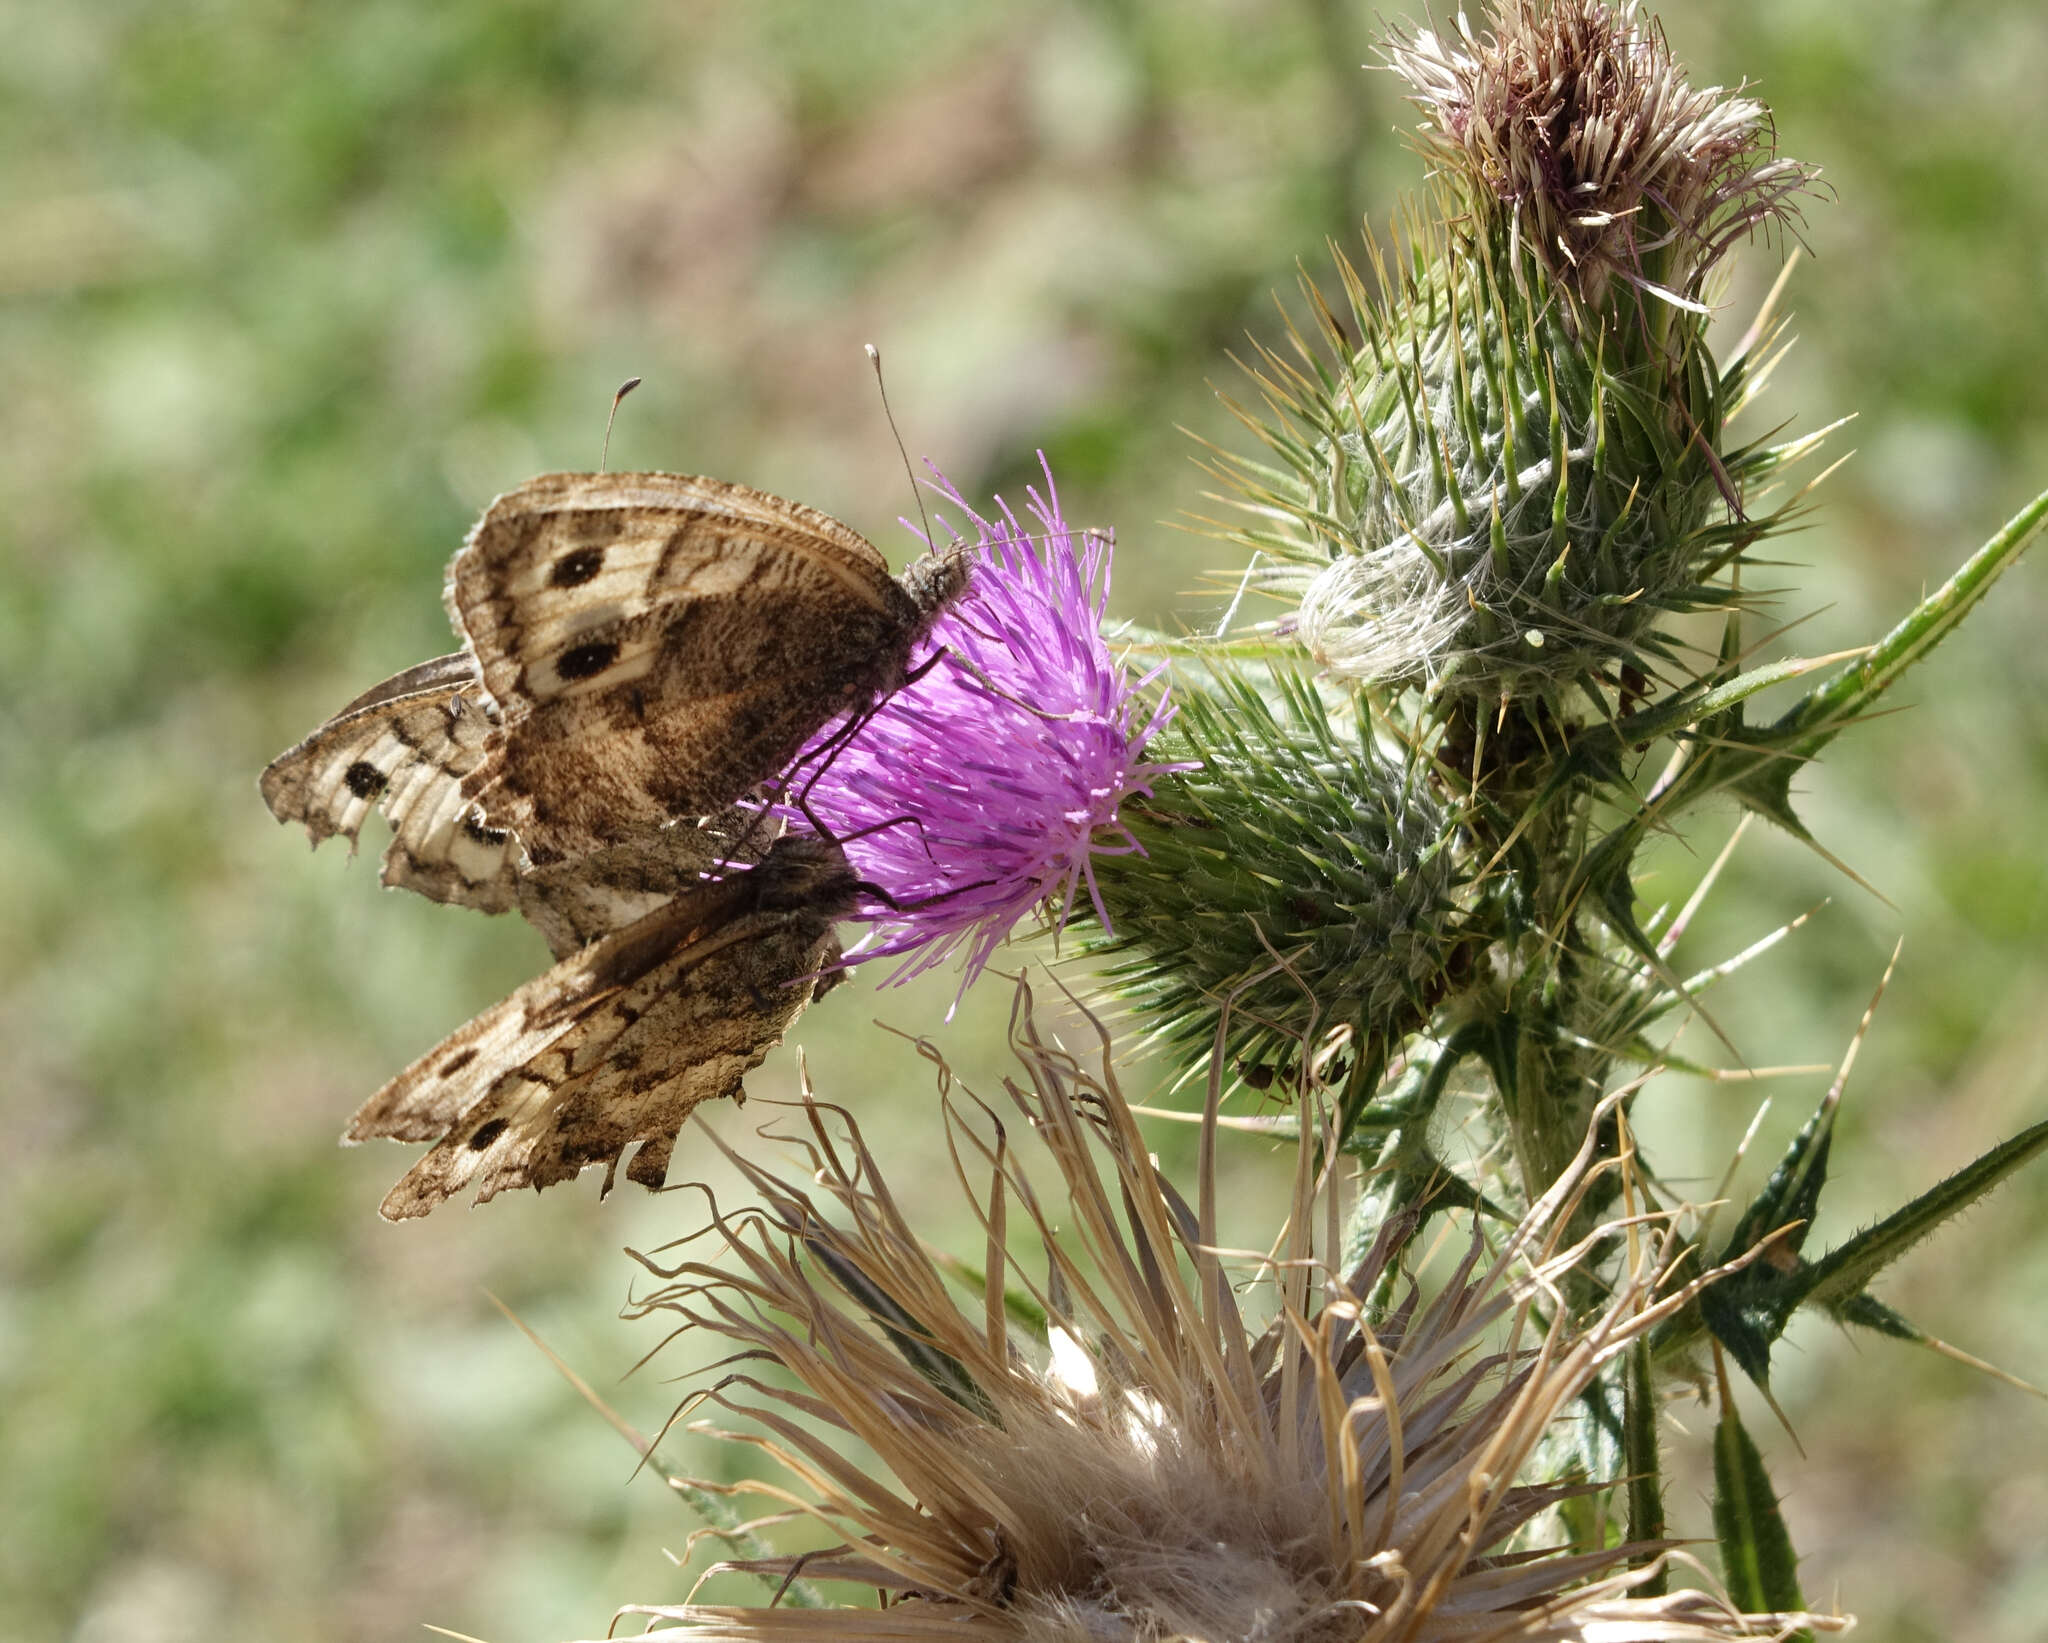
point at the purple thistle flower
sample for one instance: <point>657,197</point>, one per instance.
<point>985,787</point>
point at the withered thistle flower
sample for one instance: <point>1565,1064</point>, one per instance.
<point>1155,1465</point>
<point>1571,127</point>
<point>1504,472</point>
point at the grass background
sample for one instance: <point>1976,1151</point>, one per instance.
<point>287,292</point>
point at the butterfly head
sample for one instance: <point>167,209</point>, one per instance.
<point>936,579</point>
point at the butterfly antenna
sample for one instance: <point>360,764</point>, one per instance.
<point>625,388</point>
<point>916,491</point>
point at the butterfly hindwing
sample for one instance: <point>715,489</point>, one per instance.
<point>574,902</point>
<point>615,1046</point>
<point>404,749</point>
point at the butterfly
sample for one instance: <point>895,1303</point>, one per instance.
<point>619,1042</point>
<point>641,654</point>
<point>639,650</point>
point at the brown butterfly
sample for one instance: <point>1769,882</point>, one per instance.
<point>641,652</point>
<point>639,649</point>
<point>617,1044</point>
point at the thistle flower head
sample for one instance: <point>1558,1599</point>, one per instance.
<point>991,783</point>
<point>1157,1466</point>
<point>1571,126</point>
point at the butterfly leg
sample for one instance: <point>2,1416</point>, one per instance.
<point>824,753</point>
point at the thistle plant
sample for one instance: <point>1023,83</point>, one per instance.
<point>1367,850</point>
<point>1517,474</point>
<point>1498,629</point>
<point>1230,901</point>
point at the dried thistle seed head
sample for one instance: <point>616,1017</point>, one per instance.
<point>1185,1453</point>
<point>1570,131</point>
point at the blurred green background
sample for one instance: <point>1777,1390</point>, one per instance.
<point>287,292</point>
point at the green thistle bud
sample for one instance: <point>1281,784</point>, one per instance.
<point>1299,877</point>
<point>1515,474</point>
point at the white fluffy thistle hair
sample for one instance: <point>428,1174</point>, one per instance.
<point>1115,1431</point>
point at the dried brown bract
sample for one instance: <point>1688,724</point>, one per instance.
<point>1318,1454</point>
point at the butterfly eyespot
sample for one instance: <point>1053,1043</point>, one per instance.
<point>487,1133</point>
<point>572,570</point>
<point>586,661</point>
<point>364,779</point>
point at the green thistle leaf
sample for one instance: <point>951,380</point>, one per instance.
<point>1757,1561</point>
<point>1748,1311</point>
<point>1756,763</point>
<point>1838,1277</point>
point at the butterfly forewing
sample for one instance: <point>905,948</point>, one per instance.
<point>615,1046</point>
<point>404,749</point>
<point>661,644</point>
